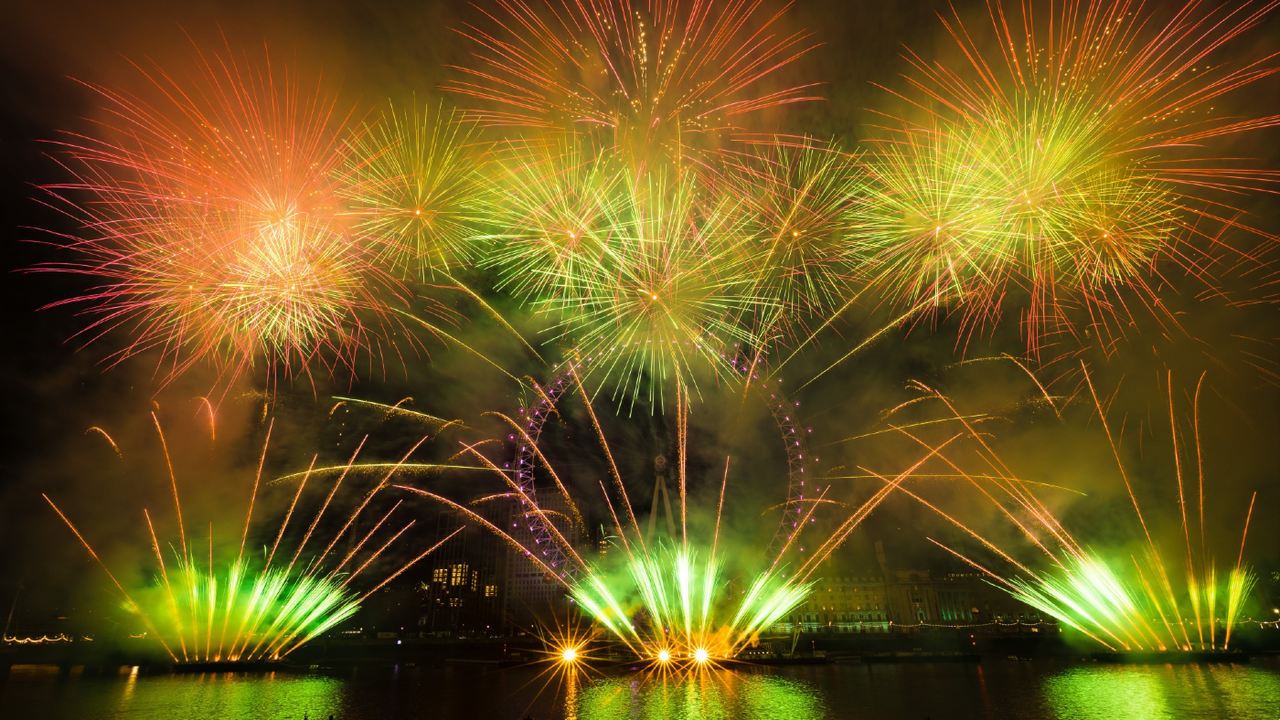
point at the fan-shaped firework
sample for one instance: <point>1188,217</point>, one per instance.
<point>258,610</point>
<point>1063,162</point>
<point>652,81</point>
<point>415,188</point>
<point>1132,603</point>
<point>667,599</point>
<point>211,217</point>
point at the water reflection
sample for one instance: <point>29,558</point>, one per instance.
<point>707,696</point>
<point>1142,692</point>
<point>172,697</point>
<point>1041,690</point>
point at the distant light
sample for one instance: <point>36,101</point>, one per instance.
<point>664,656</point>
<point>700,655</point>
<point>397,642</point>
<point>569,655</point>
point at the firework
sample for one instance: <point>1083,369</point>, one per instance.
<point>211,219</point>
<point>414,188</point>
<point>685,619</point>
<point>1131,604</point>
<point>799,194</point>
<point>1062,171</point>
<point>246,610</point>
<point>646,81</point>
<point>667,600</point>
<point>653,273</point>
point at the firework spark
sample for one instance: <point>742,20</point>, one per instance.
<point>1133,603</point>
<point>655,274</point>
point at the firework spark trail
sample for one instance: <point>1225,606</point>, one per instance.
<point>173,481</point>
<point>364,503</point>
<point>104,434</point>
<point>208,406</point>
<point>1106,602</point>
<point>104,569</point>
<point>485,523</point>
<point>838,537</point>
<point>289,514</point>
<point>164,575</point>
<point>1241,582</point>
<point>546,464</point>
<point>395,409</point>
<point>529,502</point>
<point>613,468</point>
<point>254,496</point>
<point>325,506</point>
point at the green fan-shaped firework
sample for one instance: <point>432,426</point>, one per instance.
<point>688,618</point>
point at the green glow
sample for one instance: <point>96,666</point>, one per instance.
<point>687,604</point>
<point>240,615</point>
<point>1155,692</point>
<point>1133,606</point>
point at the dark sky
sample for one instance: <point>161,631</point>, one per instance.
<point>370,51</point>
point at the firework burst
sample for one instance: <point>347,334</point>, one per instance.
<point>414,187</point>
<point>654,274</point>
<point>647,81</point>
<point>1064,165</point>
<point>799,194</point>
<point>211,219</point>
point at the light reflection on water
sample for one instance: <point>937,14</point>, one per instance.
<point>1156,693</point>
<point>1040,690</point>
<point>708,696</point>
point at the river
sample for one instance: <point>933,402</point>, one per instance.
<point>995,689</point>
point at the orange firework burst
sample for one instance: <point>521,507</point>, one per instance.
<point>652,79</point>
<point>210,218</point>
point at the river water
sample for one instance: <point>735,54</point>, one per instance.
<point>996,689</point>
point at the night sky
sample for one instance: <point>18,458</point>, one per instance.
<point>54,388</point>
